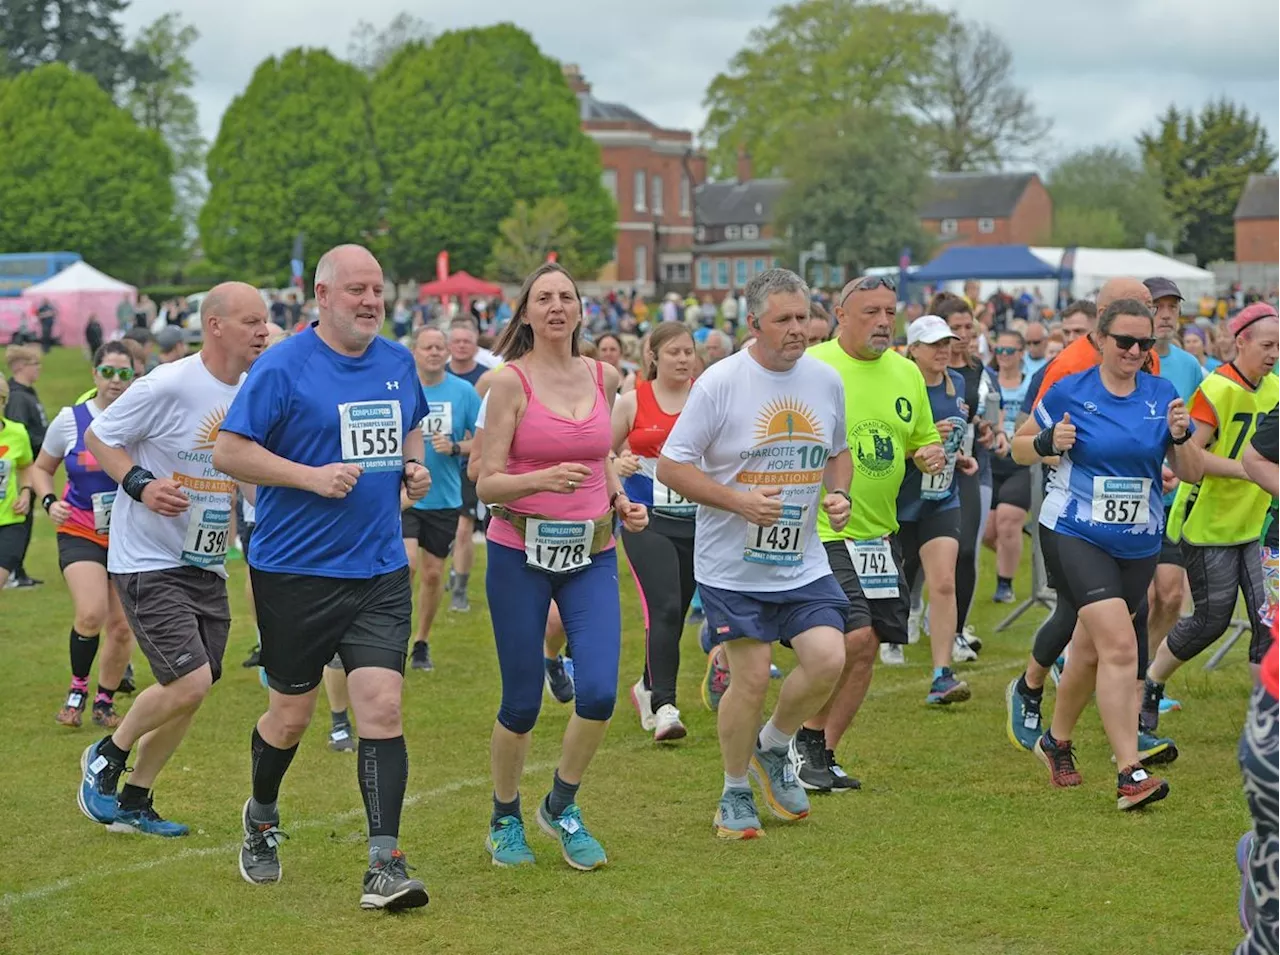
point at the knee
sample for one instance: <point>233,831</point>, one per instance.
<point>90,619</point>
<point>191,689</point>
<point>118,631</point>
<point>519,719</point>
<point>1117,650</point>
<point>380,715</point>
<point>944,588</point>
<point>751,680</point>
<point>861,647</point>
<point>826,666</point>
<point>593,702</point>
<point>432,573</point>
<point>290,722</point>
<point>1168,596</point>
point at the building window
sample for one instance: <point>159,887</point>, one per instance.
<point>704,273</point>
<point>758,266</point>
<point>642,263</point>
<point>686,192</point>
<point>656,184</point>
<point>733,232</point>
<point>751,232</point>
<point>701,234</point>
<point>609,178</point>
<point>676,272</point>
<point>947,227</point>
<point>986,226</point>
<point>722,273</point>
<point>638,193</point>
<point>741,272</point>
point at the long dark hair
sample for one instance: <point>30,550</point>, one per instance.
<point>516,339</point>
<point>111,348</point>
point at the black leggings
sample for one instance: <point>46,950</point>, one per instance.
<point>663,569</point>
<point>1215,575</point>
<point>973,517</point>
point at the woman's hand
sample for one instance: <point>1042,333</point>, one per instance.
<point>635,517</point>
<point>59,512</point>
<point>563,478</point>
<point>626,464</point>
<point>966,465</point>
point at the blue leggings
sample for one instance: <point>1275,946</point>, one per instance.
<point>519,598</point>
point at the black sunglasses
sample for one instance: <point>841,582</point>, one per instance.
<point>1126,342</point>
<point>1007,350</point>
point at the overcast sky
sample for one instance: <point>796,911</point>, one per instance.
<point>1101,70</point>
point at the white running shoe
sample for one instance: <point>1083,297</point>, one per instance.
<point>913,625</point>
<point>667,724</point>
<point>961,652</point>
<point>975,641</point>
<point>892,654</point>
<point>642,700</point>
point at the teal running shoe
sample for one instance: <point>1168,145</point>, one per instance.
<point>146,821</point>
<point>1168,705</point>
<point>736,818</point>
<point>946,689</point>
<point>782,791</point>
<point>1022,724</point>
<point>1156,750</point>
<point>579,847</point>
<point>99,779</point>
<point>507,844</point>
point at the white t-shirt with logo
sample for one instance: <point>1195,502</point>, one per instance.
<point>168,421</point>
<point>745,426</point>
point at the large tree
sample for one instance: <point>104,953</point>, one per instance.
<point>529,235</point>
<point>77,173</point>
<point>371,49</point>
<point>466,128</point>
<point>84,34</point>
<point>817,60</point>
<point>1203,162</point>
<point>856,188</point>
<point>1121,187</point>
<point>294,153</point>
<point>971,113</point>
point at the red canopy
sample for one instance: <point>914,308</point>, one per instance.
<point>461,284</point>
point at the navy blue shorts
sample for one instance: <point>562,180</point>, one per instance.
<point>770,617</point>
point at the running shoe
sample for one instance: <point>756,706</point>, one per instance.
<point>1156,750</point>
<point>696,617</point>
<point>259,853</point>
<point>262,678</point>
<point>807,756</point>
<point>715,683</point>
<point>1149,714</point>
<point>146,821</point>
<point>340,740</point>
<point>775,672</point>
<point>1135,788</point>
<point>388,886</point>
<point>642,700</point>
<point>783,793</point>
<point>105,715</point>
<point>459,603</point>
<point>962,650</point>
<point>946,689</point>
<point>667,725</point>
<point>558,680</point>
<point>704,637</point>
<point>20,581</point>
<point>1168,705</point>
<point>913,625</point>
<point>507,845</point>
<point>892,654</point>
<point>975,641</point>
<point>579,847</point>
<point>420,658</point>
<point>1060,760</point>
<point>254,658</point>
<point>72,712</point>
<point>1003,594</point>
<point>1248,902</point>
<point>1055,671</point>
<point>842,781</point>
<point>99,779</point>
<point>736,816</point>
<point>1023,717</point>
<point>127,685</point>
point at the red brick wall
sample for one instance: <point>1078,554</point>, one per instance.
<point>1258,240</point>
<point>967,232</point>
<point>1032,220</point>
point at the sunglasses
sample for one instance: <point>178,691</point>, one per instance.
<point>110,371</point>
<point>1007,350</point>
<point>869,283</point>
<point>1035,341</point>
<point>1126,342</point>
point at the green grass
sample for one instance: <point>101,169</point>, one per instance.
<point>957,843</point>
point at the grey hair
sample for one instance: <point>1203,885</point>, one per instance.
<point>772,282</point>
<point>715,332</point>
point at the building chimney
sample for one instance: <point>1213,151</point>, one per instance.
<point>573,76</point>
<point>744,164</point>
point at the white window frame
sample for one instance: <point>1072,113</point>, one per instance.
<point>704,273</point>
<point>609,179</point>
<point>986,226</point>
<point>640,185</point>
<point>686,195</point>
<point>641,262</point>
<point>751,232</point>
<point>701,233</point>
<point>722,265</point>
<point>948,227</point>
<point>741,272</point>
<point>656,186</point>
<point>733,232</point>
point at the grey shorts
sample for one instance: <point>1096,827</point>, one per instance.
<point>180,618</point>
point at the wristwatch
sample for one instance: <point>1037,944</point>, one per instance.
<point>48,501</point>
<point>843,493</point>
<point>454,449</point>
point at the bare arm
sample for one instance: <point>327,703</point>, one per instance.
<point>250,463</point>
<point>838,474</point>
<point>1214,465</point>
<point>413,446</point>
<point>477,452</point>
<point>624,417</point>
<point>692,484</point>
<point>1023,450</point>
<point>250,492</point>
<point>42,472</point>
<point>1261,471</point>
<point>1188,461</point>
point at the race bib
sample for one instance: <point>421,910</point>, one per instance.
<point>873,563</point>
<point>1119,500</point>
<point>6,468</point>
<point>207,531</point>
<point>560,547</point>
<point>371,435</point>
<point>670,504</point>
<point>937,487</point>
<point>780,545</point>
<point>102,504</point>
<point>439,420</point>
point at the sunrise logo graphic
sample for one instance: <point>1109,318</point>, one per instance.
<point>207,433</point>
<point>785,419</point>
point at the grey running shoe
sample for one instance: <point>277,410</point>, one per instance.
<point>387,884</point>
<point>340,740</point>
<point>782,791</point>
<point>259,858</point>
<point>736,816</point>
<point>459,602</point>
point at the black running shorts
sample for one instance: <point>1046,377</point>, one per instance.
<point>180,618</point>
<point>73,549</point>
<point>888,616</point>
<point>434,530</point>
<point>13,545</point>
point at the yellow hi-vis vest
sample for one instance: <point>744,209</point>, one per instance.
<point>1221,512</point>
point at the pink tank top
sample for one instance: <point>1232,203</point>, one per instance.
<point>543,439</point>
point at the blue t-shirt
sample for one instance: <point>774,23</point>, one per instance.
<point>914,503</point>
<point>1106,490</point>
<point>1031,365</point>
<point>305,402</point>
<point>452,408</point>
<point>1011,402</point>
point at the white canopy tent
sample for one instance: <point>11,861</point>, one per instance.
<point>1093,267</point>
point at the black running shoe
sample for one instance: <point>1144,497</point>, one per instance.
<point>127,686</point>
<point>254,659</point>
<point>420,659</point>
<point>807,755</point>
<point>843,781</point>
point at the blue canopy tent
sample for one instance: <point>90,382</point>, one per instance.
<point>1010,262</point>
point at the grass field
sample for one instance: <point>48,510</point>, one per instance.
<point>956,843</point>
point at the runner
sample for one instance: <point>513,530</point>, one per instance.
<point>26,409</point>
<point>83,519</point>
<point>464,350</point>
<point>1011,483</point>
<point>1259,463</point>
<point>429,526</point>
<point>1101,523</point>
<point>1219,521</point>
<point>551,489</point>
<point>168,548</point>
<point>17,493</point>
<point>761,448</point>
<point>661,555</point>
<point>327,428</point>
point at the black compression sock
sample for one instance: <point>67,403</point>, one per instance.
<point>83,650</point>
<point>109,749</point>
<point>1025,690</point>
<point>133,797</point>
<point>383,772</point>
<point>268,767</point>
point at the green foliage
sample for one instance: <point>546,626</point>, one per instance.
<point>817,60</point>
<point>371,49</point>
<point>528,235</point>
<point>467,127</point>
<point>83,34</point>
<point>1203,162</point>
<point>1120,188</point>
<point>857,190</point>
<point>1089,226</point>
<point>76,172</point>
<point>294,153</point>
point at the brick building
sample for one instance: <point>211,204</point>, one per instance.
<point>1257,219</point>
<point>988,209</point>
<point>651,173</point>
<point>734,237</point>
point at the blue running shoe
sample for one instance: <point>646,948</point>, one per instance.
<point>262,678</point>
<point>1168,706</point>
<point>1156,750</point>
<point>1023,717</point>
<point>736,818</point>
<point>579,847</point>
<point>99,779</point>
<point>1003,594</point>
<point>146,821</point>
<point>704,637</point>
<point>1055,671</point>
<point>775,672</point>
<point>782,791</point>
<point>507,844</point>
<point>946,689</point>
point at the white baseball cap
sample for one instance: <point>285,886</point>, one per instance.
<point>929,330</point>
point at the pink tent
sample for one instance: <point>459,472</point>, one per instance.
<point>77,292</point>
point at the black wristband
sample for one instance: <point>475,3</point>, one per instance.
<point>135,481</point>
<point>1043,443</point>
<point>404,471</point>
<point>48,501</point>
<point>843,493</point>
<point>1182,440</point>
